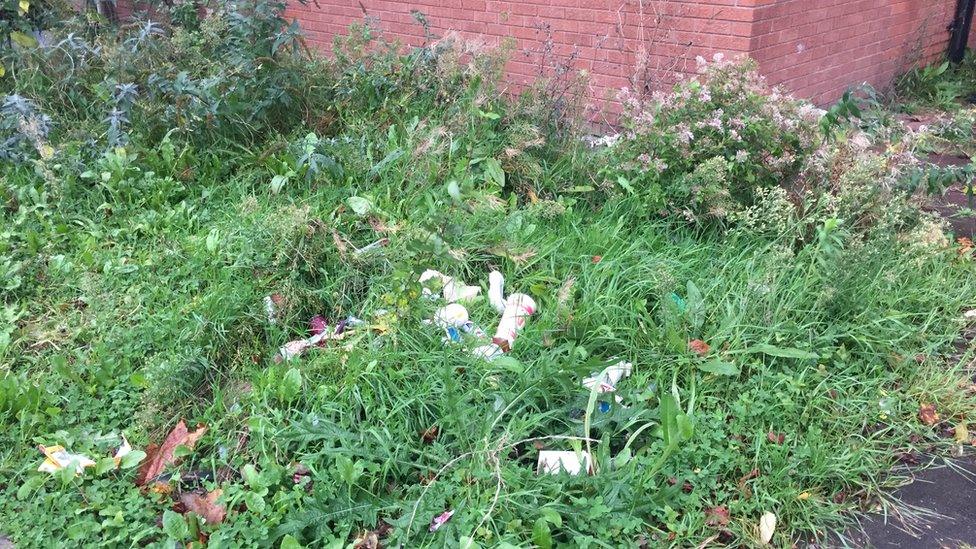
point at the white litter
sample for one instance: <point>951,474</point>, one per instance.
<point>555,462</point>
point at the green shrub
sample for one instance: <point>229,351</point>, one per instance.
<point>702,150</point>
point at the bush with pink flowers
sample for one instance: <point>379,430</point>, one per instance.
<point>702,150</point>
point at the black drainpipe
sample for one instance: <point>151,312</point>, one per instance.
<point>960,29</point>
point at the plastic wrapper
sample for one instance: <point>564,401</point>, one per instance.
<point>555,462</point>
<point>606,381</point>
<point>57,458</point>
<point>518,308</point>
<point>451,289</point>
<point>496,291</point>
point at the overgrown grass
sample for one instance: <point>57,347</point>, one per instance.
<point>134,298</point>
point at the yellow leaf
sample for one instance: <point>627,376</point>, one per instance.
<point>47,151</point>
<point>23,7</point>
<point>804,496</point>
<point>3,71</point>
<point>23,40</point>
<point>962,433</point>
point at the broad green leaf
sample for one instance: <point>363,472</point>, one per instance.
<point>494,174</point>
<point>254,502</point>
<point>23,40</point>
<point>541,535</point>
<point>454,190</point>
<point>175,525</point>
<point>719,367</point>
<point>468,542</point>
<point>685,426</point>
<point>104,465</point>
<point>277,182</point>
<point>625,184</point>
<point>509,363</point>
<point>132,459</point>
<point>289,542</point>
<point>669,412</point>
<point>390,158</point>
<point>782,352</point>
<point>290,385</point>
<point>361,206</point>
<point>251,476</point>
<point>552,516</point>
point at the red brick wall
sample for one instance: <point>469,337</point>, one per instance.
<point>602,37</point>
<point>817,48</point>
<point>814,48</point>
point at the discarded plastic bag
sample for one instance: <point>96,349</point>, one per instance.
<point>496,291</point>
<point>440,520</point>
<point>452,289</point>
<point>606,382</point>
<point>516,310</point>
<point>57,458</point>
<point>321,333</point>
<point>453,318</point>
<point>554,462</point>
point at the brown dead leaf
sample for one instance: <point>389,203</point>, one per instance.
<point>379,225</point>
<point>205,505</point>
<point>717,516</point>
<point>965,245</point>
<point>159,457</point>
<point>743,487</point>
<point>517,258</point>
<point>927,414</point>
<point>430,435</point>
<point>596,259</point>
<point>698,347</point>
<point>339,243</point>
<point>775,438</point>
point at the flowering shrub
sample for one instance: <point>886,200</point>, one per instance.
<point>704,149</point>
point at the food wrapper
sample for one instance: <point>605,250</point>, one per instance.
<point>451,289</point>
<point>606,381</point>
<point>518,308</point>
<point>555,462</point>
<point>496,291</point>
<point>57,458</point>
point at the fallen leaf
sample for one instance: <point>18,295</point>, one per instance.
<point>743,487</point>
<point>440,520</point>
<point>596,259</point>
<point>430,435</point>
<point>717,516</point>
<point>366,540</point>
<point>159,457</point>
<point>927,414</point>
<point>339,243</point>
<point>804,496</point>
<point>205,505</point>
<point>767,525</point>
<point>962,433</point>
<point>775,438</point>
<point>698,347</point>
<point>378,225</point>
<point>965,245</point>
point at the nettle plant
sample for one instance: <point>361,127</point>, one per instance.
<point>702,150</point>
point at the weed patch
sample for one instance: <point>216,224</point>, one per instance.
<point>786,306</point>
